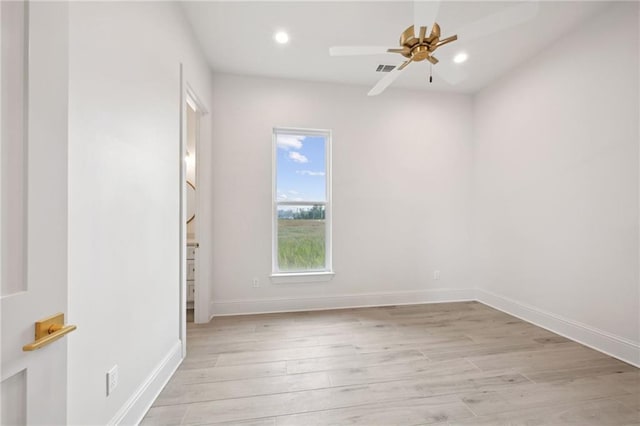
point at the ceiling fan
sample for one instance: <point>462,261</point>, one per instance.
<point>417,47</point>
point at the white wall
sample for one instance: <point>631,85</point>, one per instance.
<point>556,185</point>
<point>401,180</point>
<point>124,174</point>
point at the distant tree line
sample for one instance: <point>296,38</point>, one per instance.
<point>316,212</point>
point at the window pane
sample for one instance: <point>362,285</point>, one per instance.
<point>301,168</point>
<point>301,238</point>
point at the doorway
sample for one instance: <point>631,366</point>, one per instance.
<point>193,290</point>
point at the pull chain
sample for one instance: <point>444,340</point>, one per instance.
<point>430,73</point>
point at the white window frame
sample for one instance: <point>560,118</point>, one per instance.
<point>306,275</point>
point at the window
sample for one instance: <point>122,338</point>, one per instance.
<point>301,201</point>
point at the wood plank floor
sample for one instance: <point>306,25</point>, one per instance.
<point>444,364</point>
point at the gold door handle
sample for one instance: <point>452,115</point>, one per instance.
<point>48,330</point>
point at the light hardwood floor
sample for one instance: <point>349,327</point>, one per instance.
<point>445,364</point>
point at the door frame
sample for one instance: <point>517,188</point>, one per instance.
<point>188,97</point>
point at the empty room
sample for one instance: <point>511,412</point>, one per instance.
<point>320,213</point>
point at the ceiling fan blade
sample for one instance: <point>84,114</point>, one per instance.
<point>449,72</point>
<point>385,81</point>
<point>435,32</point>
<point>425,12</point>
<point>445,41</point>
<point>407,35</point>
<point>502,20</point>
<point>404,64</point>
<point>423,33</point>
<point>399,50</point>
<point>357,50</point>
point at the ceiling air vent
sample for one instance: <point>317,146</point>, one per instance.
<point>385,68</point>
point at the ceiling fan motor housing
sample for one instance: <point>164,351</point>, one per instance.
<point>418,47</point>
<point>419,53</point>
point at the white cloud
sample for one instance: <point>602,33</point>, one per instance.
<point>297,157</point>
<point>288,142</point>
<point>309,173</point>
<point>293,192</point>
<point>282,196</point>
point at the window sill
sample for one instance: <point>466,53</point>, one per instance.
<point>301,277</point>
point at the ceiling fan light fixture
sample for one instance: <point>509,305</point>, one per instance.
<point>460,58</point>
<point>281,37</point>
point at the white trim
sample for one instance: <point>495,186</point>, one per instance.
<point>344,301</point>
<point>194,101</point>
<point>328,208</point>
<point>301,203</point>
<point>134,410</point>
<point>302,277</point>
<point>295,131</point>
<point>188,97</point>
<point>602,341</point>
<point>182,222</point>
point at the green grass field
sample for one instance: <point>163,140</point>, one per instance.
<point>301,244</point>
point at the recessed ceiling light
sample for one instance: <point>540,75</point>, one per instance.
<point>281,37</point>
<point>460,58</point>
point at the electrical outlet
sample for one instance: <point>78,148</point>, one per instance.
<point>112,379</point>
<point>436,275</point>
<point>256,283</point>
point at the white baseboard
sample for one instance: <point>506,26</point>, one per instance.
<point>610,344</point>
<point>262,306</point>
<point>133,411</point>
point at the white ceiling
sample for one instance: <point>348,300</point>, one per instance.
<point>237,37</point>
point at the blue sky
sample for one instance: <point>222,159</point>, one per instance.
<point>300,174</point>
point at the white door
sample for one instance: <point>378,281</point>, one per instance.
<point>34,209</point>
